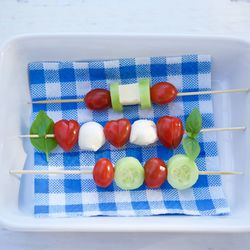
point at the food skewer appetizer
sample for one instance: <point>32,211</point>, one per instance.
<point>132,94</point>
<point>91,136</point>
<point>181,172</point>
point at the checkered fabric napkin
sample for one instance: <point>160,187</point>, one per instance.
<point>58,195</point>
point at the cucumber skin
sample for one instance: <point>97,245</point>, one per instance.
<point>176,159</point>
<point>144,89</point>
<point>115,99</point>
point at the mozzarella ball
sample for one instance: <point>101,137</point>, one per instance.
<point>91,136</point>
<point>143,133</point>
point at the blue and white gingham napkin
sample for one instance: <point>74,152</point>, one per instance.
<point>58,195</point>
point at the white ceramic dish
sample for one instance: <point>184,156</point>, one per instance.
<point>231,69</point>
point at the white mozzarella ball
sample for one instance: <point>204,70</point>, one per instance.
<point>143,133</point>
<point>91,136</point>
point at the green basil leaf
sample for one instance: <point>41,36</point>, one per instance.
<point>43,125</point>
<point>189,134</point>
<point>194,123</point>
<point>191,147</point>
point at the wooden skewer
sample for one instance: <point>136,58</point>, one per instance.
<point>50,171</point>
<point>45,172</point>
<point>204,130</point>
<point>206,92</point>
<point>57,101</point>
<point>37,136</point>
<point>219,173</point>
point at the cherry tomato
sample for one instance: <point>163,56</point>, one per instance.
<point>163,93</point>
<point>118,132</point>
<point>170,131</point>
<point>103,172</point>
<point>66,133</point>
<point>98,99</point>
<point>155,172</point>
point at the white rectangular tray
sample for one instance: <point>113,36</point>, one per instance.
<point>230,69</point>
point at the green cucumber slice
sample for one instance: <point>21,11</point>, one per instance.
<point>182,172</point>
<point>115,99</point>
<point>129,173</point>
<point>144,89</point>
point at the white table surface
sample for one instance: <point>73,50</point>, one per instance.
<point>198,17</point>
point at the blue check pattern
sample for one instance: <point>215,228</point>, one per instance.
<point>75,195</point>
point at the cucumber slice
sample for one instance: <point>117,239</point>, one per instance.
<point>129,173</point>
<point>115,99</point>
<point>144,89</point>
<point>182,172</point>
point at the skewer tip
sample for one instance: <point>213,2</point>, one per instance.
<point>220,173</point>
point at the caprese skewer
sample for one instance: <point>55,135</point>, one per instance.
<point>136,93</point>
<point>181,172</point>
<point>45,135</point>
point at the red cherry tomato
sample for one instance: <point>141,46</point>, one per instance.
<point>170,131</point>
<point>163,93</point>
<point>155,173</point>
<point>118,132</point>
<point>103,173</point>
<point>98,99</point>
<point>66,133</point>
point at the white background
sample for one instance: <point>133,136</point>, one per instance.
<point>198,17</point>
